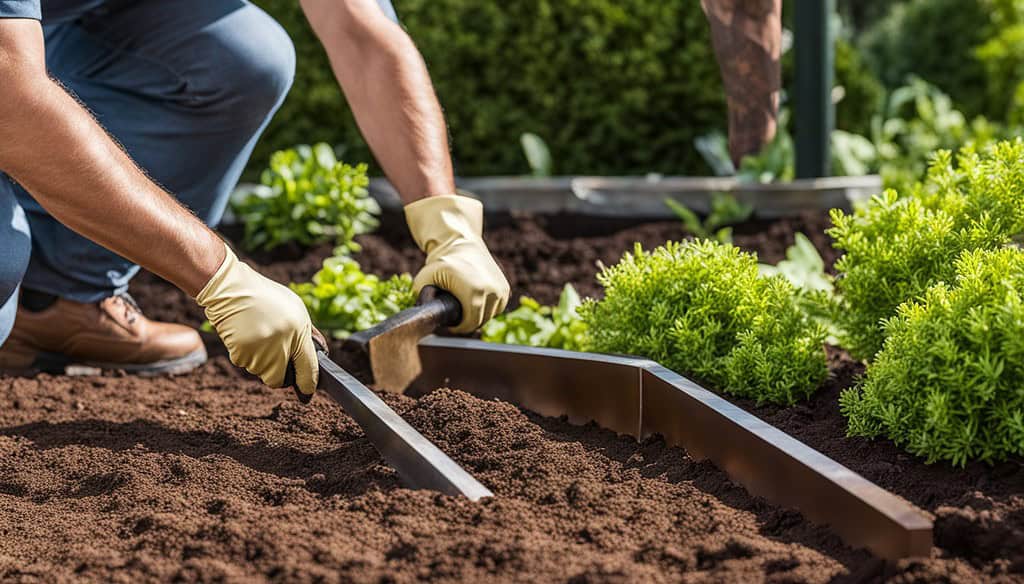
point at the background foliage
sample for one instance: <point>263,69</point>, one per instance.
<point>612,86</point>
<point>943,42</point>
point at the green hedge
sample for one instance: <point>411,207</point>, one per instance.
<point>938,41</point>
<point>613,86</point>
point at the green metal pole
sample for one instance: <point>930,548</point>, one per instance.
<point>814,114</point>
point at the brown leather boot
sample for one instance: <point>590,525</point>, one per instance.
<point>110,334</point>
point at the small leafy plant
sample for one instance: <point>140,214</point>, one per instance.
<point>701,308</point>
<point>917,120</point>
<point>726,211</point>
<point>556,327</point>
<point>896,247</point>
<point>310,198</point>
<point>947,384</point>
<point>804,268</point>
<point>342,299</point>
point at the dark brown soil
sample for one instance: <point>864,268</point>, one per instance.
<point>212,476</point>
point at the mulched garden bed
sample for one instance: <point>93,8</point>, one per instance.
<point>213,476</point>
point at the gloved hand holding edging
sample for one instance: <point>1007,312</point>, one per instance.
<point>264,325</point>
<point>449,229</point>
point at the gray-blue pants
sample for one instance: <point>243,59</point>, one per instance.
<point>187,87</point>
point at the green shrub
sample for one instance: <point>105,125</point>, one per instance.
<point>612,86</point>
<point>947,385</point>
<point>896,247</point>
<point>935,40</point>
<point>979,63</point>
<point>555,327</point>
<point>1002,56</point>
<point>700,308</point>
<point>342,299</point>
<point>310,198</point>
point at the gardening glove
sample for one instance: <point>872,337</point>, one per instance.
<point>449,230</point>
<point>264,325</point>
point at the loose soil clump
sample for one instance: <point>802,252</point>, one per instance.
<point>212,476</point>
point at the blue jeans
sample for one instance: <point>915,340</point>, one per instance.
<point>187,87</point>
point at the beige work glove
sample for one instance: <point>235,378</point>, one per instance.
<point>449,230</point>
<point>264,325</point>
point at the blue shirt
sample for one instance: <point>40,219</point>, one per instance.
<point>50,11</point>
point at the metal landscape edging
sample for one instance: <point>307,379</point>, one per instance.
<point>639,397</point>
<point>644,196</point>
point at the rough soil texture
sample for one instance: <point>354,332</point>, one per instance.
<point>211,476</point>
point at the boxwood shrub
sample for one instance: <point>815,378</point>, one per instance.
<point>700,308</point>
<point>895,247</point>
<point>947,384</point>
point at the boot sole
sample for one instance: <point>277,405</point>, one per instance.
<point>62,365</point>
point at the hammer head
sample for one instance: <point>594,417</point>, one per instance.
<point>392,346</point>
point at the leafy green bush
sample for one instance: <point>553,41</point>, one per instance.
<point>612,86</point>
<point>555,327</point>
<point>896,247</point>
<point>700,308</point>
<point>980,64</point>
<point>342,299</point>
<point>947,385</point>
<point>917,120</point>
<point>935,40</point>
<point>310,198</point>
<point>1002,56</point>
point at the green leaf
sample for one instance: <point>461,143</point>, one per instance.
<point>537,154</point>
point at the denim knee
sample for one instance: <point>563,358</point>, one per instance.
<point>250,67</point>
<point>16,244</point>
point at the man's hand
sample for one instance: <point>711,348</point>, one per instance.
<point>264,325</point>
<point>448,228</point>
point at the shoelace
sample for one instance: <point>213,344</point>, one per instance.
<point>131,308</point>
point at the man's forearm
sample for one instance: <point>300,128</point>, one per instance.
<point>747,36</point>
<point>389,90</point>
<point>61,155</point>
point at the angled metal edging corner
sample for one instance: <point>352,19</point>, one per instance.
<point>639,397</point>
<point>582,386</point>
<point>772,464</point>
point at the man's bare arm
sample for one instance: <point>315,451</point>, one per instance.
<point>388,87</point>
<point>55,149</point>
<point>747,36</point>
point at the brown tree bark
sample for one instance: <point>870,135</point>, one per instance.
<point>747,38</point>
